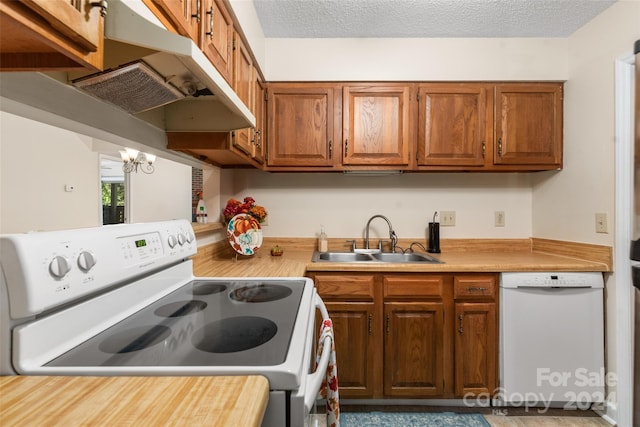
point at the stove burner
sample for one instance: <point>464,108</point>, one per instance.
<point>204,288</point>
<point>135,339</point>
<point>180,308</point>
<point>260,293</point>
<point>234,334</point>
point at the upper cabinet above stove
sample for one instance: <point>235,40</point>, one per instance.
<point>46,35</point>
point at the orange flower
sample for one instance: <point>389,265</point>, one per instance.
<point>248,206</point>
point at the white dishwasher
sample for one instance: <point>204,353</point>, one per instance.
<point>551,340</point>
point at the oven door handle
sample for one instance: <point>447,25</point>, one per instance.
<point>315,379</point>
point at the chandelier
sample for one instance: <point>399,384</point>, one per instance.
<point>134,159</point>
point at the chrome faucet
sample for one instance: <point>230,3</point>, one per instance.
<point>392,234</point>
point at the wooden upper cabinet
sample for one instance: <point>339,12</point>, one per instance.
<point>243,85</point>
<point>376,128</point>
<point>183,15</point>
<point>454,124</point>
<point>216,36</point>
<point>50,35</point>
<point>528,127</point>
<point>301,125</point>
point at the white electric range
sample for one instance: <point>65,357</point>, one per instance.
<point>122,300</point>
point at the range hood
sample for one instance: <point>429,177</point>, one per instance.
<point>148,67</point>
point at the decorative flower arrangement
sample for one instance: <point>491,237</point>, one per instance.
<point>247,206</point>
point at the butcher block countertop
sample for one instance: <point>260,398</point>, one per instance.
<point>463,255</point>
<point>127,401</point>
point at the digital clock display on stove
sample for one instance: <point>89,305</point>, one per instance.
<point>141,243</point>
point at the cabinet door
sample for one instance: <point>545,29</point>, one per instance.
<point>71,19</point>
<point>216,36</point>
<point>357,342</point>
<point>414,349</point>
<point>301,129</point>
<point>376,125</point>
<point>453,126</point>
<point>475,348</point>
<point>243,85</point>
<point>528,124</point>
<point>184,15</point>
<point>51,34</point>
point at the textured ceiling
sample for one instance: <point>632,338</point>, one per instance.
<point>425,18</point>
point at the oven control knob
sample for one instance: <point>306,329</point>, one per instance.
<point>59,267</point>
<point>189,237</point>
<point>86,260</point>
<point>172,241</point>
<point>181,239</point>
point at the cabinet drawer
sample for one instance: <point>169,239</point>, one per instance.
<point>407,287</point>
<point>475,287</point>
<point>345,287</point>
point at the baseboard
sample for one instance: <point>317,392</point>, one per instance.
<point>609,413</point>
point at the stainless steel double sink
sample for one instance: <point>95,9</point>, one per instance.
<point>404,258</point>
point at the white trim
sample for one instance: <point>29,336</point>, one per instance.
<point>624,75</point>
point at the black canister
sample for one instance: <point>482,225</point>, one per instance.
<point>434,236</point>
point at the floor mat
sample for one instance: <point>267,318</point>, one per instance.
<point>411,419</point>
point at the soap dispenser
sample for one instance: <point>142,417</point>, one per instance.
<point>323,243</point>
<point>434,236</point>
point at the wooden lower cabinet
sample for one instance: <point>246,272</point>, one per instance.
<point>475,344</point>
<point>476,334</point>
<point>356,346</point>
<point>407,335</point>
<point>414,349</point>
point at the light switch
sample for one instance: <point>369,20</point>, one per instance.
<point>601,223</point>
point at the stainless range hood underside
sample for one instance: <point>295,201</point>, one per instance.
<point>134,88</point>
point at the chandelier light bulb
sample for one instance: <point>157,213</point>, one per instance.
<point>134,160</point>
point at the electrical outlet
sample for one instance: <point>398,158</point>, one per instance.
<point>601,223</point>
<point>447,218</point>
<point>499,218</point>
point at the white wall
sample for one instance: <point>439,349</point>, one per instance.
<point>37,161</point>
<point>299,203</point>
<point>586,185</point>
<point>163,195</point>
<point>564,204</point>
<point>415,59</point>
